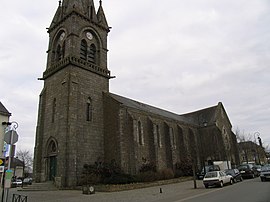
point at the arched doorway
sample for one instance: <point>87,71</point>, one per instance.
<point>52,160</point>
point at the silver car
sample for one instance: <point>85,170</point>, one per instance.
<point>265,173</point>
<point>217,178</point>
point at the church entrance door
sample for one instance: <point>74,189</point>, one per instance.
<point>52,168</point>
<point>52,160</point>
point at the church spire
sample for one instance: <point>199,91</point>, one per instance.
<point>83,7</point>
<point>101,16</point>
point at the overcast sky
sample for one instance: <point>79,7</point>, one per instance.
<point>178,55</point>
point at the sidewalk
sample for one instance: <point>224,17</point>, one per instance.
<point>170,192</point>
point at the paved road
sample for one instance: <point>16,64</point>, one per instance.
<point>248,191</point>
<point>178,192</point>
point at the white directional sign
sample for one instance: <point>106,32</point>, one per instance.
<point>11,137</point>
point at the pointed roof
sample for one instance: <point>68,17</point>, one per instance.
<point>57,17</point>
<point>4,111</point>
<point>85,8</point>
<point>101,16</point>
<point>208,115</point>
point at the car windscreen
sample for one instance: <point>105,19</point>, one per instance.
<point>265,168</point>
<point>243,167</point>
<point>229,172</point>
<point>211,174</point>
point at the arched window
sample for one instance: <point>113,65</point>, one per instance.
<point>140,133</point>
<point>63,49</point>
<point>58,53</point>
<point>157,135</point>
<point>172,138</point>
<point>92,54</point>
<point>53,109</point>
<point>89,110</point>
<point>83,51</point>
<point>52,148</point>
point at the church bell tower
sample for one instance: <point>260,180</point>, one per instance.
<point>70,128</point>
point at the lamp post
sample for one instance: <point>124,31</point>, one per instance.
<point>256,149</point>
<point>204,123</point>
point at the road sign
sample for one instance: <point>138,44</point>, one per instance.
<point>11,137</point>
<point>2,165</point>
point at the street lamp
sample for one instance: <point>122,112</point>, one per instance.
<point>258,136</point>
<point>260,143</point>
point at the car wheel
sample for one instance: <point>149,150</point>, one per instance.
<point>206,186</point>
<point>221,184</point>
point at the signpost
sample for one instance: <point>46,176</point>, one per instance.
<point>10,137</point>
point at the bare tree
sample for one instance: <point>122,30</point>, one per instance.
<point>241,136</point>
<point>244,143</point>
<point>27,158</point>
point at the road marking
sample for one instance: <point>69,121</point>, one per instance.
<point>202,194</point>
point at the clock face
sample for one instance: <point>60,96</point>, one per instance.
<point>89,35</point>
<point>62,36</point>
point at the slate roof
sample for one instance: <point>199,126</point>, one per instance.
<point>207,115</point>
<point>3,110</point>
<point>189,118</point>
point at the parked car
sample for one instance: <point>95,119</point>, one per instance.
<point>247,171</point>
<point>235,173</point>
<point>217,178</point>
<point>27,181</point>
<point>16,183</point>
<point>257,169</point>
<point>208,168</point>
<point>265,172</point>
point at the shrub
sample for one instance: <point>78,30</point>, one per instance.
<point>146,167</point>
<point>100,172</point>
<point>184,167</point>
<point>148,176</point>
<point>166,174</point>
<point>120,178</point>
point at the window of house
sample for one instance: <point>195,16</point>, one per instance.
<point>89,109</point>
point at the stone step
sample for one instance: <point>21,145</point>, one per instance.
<point>42,186</point>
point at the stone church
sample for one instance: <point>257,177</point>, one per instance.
<point>80,120</point>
